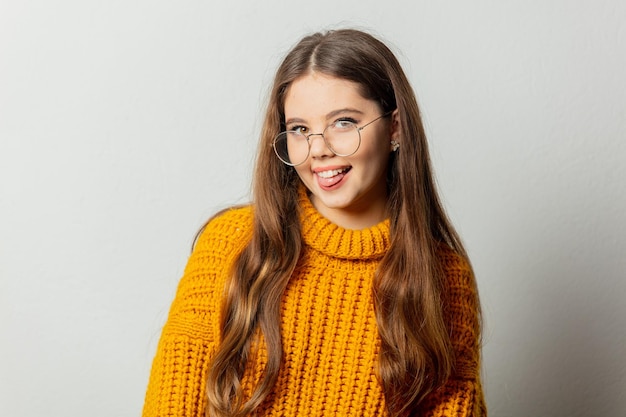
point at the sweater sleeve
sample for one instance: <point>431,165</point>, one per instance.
<point>462,394</point>
<point>177,385</point>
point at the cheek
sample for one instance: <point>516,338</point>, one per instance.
<point>379,144</point>
<point>303,172</point>
<point>374,156</point>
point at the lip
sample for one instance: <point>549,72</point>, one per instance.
<point>329,168</point>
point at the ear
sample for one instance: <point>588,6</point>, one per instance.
<point>395,127</point>
<point>395,131</point>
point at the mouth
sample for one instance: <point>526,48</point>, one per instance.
<point>329,179</point>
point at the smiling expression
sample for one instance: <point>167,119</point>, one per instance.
<point>350,191</point>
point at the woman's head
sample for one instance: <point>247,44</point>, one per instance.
<point>366,62</point>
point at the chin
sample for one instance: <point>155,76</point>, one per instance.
<point>335,202</point>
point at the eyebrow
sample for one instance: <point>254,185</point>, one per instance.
<point>329,115</point>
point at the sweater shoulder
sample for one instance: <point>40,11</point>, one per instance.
<point>451,260</point>
<point>228,220</point>
<point>219,243</point>
<point>198,298</point>
<point>227,230</point>
<point>458,274</point>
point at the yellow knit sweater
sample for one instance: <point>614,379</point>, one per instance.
<point>330,338</point>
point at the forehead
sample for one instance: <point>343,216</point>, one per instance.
<point>318,94</point>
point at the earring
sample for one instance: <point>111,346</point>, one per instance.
<point>394,145</point>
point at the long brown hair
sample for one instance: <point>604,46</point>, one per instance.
<point>415,354</point>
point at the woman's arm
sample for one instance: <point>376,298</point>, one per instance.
<point>462,394</point>
<point>177,385</point>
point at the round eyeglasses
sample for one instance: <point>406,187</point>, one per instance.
<point>342,137</point>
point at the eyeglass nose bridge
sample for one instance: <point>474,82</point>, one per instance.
<point>308,139</point>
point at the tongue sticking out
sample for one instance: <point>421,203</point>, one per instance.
<point>330,181</point>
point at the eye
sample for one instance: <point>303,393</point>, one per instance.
<point>344,123</point>
<point>303,130</point>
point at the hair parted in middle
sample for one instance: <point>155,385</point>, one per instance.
<point>415,354</point>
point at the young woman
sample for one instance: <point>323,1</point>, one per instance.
<point>342,289</point>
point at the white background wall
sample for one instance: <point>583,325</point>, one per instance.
<point>125,124</point>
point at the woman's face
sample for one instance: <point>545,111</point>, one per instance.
<point>350,191</point>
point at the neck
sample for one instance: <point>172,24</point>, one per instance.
<point>356,218</point>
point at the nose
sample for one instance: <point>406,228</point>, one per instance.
<point>319,149</point>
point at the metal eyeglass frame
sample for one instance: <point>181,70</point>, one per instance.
<point>358,129</point>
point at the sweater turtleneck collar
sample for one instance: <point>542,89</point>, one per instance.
<point>326,237</point>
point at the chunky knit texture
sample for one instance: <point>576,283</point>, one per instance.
<point>329,331</point>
